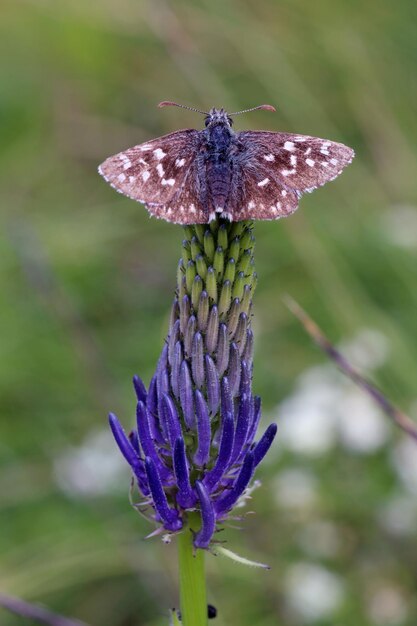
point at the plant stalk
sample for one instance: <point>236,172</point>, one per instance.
<point>193,599</point>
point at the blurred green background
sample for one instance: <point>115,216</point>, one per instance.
<point>86,281</point>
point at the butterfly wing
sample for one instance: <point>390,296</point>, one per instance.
<point>161,174</point>
<point>277,168</point>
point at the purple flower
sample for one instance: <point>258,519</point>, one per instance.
<point>194,446</point>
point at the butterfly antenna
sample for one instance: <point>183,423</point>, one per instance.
<point>167,103</point>
<point>265,107</point>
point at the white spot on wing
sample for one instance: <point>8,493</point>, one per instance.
<point>251,205</point>
<point>307,151</point>
<point>179,162</point>
<point>145,147</point>
<point>159,154</point>
<point>127,164</point>
<point>288,172</point>
<point>310,162</point>
<point>300,139</point>
<point>160,170</point>
<point>334,161</point>
<point>263,182</point>
<point>121,178</point>
<point>145,175</point>
<point>168,181</point>
<point>269,157</point>
<point>283,193</point>
<point>192,208</point>
<point>132,179</point>
<point>289,145</point>
<point>293,159</point>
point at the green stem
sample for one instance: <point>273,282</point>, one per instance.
<point>193,599</point>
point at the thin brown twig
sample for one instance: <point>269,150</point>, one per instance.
<point>401,419</point>
<point>36,612</point>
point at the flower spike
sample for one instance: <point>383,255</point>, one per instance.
<point>193,450</point>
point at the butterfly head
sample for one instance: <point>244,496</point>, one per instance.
<point>217,116</point>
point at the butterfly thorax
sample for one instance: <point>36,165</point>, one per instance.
<point>220,137</point>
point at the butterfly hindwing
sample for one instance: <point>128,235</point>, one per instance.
<point>276,168</point>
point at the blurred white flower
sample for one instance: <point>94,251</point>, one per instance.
<point>326,408</point>
<point>93,468</point>
<point>404,460</point>
<point>307,419</point>
<point>399,225</point>
<point>319,538</point>
<point>398,515</point>
<point>387,606</point>
<point>295,488</point>
<point>368,350</point>
<point>312,591</point>
<point>362,427</point>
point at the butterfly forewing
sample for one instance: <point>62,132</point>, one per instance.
<point>156,172</point>
<point>278,167</point>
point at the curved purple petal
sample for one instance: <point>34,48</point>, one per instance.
<point>186,395</point>
<point>208,518</point>
<point>169,517</point>
<point>140,389</point>
<point>134,440</point>
<point>162,385</point>
<point>171,419</point>
<point>129,452</point>
<point>172,340</point>
<point>245,379</point>
<point>146,441</point>
<point>185,496</point>
<point>255,419</point>
<point>264,444</point>
<point>122,441</point>
<point>152,404</point>
<point>202,454</point>
<point>214,476</point>
<point>197,359</point>
<point>242,426</point>
<point>175,369</point>
<point>229,499</point>
<point>213,385</point>
<point>226,402</point>
<point>233,371</point>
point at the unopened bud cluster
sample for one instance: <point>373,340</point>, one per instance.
<point>194,443</point>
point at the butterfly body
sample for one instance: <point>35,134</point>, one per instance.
<point>190,176</point>
<point>218,166</point>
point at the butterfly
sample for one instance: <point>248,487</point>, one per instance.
<point>193,176</point>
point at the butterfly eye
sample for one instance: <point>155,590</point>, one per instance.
<point>229,119</point>
<point>207,120</point>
